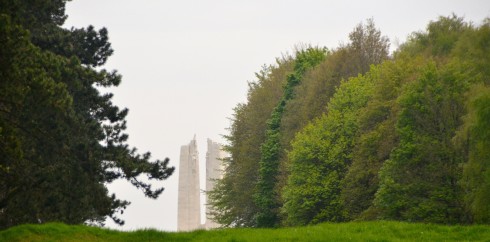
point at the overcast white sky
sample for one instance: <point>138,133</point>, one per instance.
<point>186,63</point>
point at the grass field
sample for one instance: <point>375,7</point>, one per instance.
<point>355,231</point>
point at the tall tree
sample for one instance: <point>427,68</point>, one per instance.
<point>321,154</point>
<point>453,46</point>
<point>232,198</point>
<point>420,180</point>
<point>61,139</point>
<point>266,196</point>
<point>475,137</point>
<point>472,138</point>
<point>377,137</point>
<point>366,47</point>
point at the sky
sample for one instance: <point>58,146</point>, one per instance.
<point>186,64</point>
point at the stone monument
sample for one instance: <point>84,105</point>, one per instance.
<point>189,212</point>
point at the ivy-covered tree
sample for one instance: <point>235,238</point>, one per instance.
<point>232,199</point>
<point>61,140</point>
<point>266,195</point>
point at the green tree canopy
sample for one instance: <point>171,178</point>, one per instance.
<point>320,156</point>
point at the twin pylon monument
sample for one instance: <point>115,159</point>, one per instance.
<point>189,204</point>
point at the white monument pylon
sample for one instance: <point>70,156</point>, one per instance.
<point>189,212</point>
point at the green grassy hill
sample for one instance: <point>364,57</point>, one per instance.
<point>356,231</point>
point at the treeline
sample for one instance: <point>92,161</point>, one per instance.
<point>354,133</point>
<point>61,140</point>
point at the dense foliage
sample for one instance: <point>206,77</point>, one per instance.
<point>266,196</point>
<point>61,140</point>
<point>365,136</point>
<point>320,155</point>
